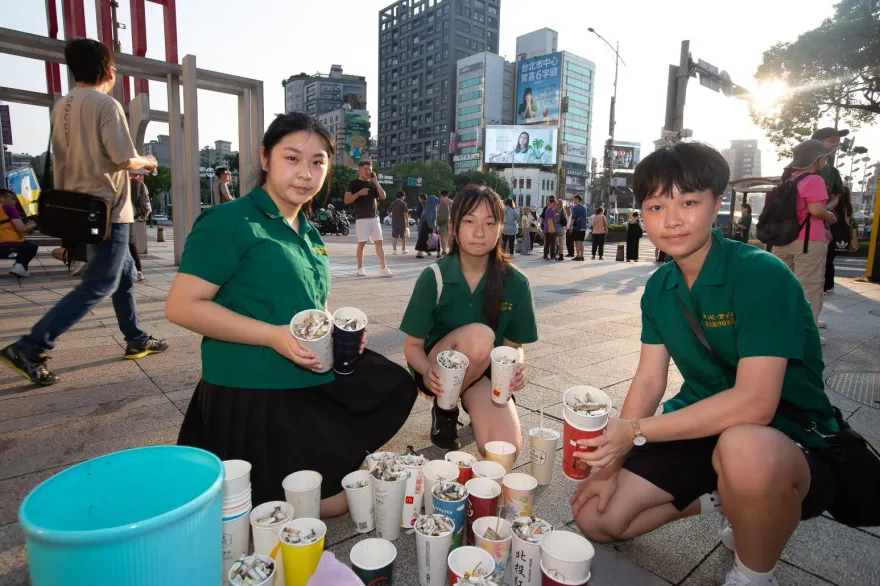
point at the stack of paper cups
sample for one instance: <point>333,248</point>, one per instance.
<point>236,506</point>
<point>436,471</point>
<point>502,374</point>
<point>303,490</point>
<point>360,499</point>
<point>266,534</point>
<point>322,348</point>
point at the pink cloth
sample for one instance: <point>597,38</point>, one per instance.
<point>600,224</point>
<point>810,190</point>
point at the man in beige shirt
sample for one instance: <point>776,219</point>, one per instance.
<point>93,152</point>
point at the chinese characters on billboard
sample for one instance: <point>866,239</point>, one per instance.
<point>357,137</point>
<point>624,157</point>
<point>521,145</point>
<point>537,89</point>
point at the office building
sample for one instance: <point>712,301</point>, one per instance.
<point>484,96</point>
<point>350,129</point>
<point>576,124</point>
<point>217,156</point>
<point>318,94</point>
<point>534,44</point>
<point>420,44</point>
<point>744,158</point>
<point>161,149</point>
<point>18,161</point>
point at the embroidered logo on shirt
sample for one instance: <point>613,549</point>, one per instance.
<point>506,306</point>
<point>718,320</point>
<point>322,250</point>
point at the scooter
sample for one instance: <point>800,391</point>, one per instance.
<point>338,224</point>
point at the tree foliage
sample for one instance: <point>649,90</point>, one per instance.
<point>334,189</point>
<point>160,182</point>
<point>833,72</point>
<point>436,177</point>
<point>494,180</point>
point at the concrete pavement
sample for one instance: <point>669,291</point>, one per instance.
<point>588,316</point>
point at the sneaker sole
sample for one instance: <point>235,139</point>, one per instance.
<point>141,354</point>
<point>25,375</point>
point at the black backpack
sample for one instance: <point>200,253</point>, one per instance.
<point>778,224</point>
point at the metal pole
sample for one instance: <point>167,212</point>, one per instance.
<point>2,162</point>
<point>681,85</point>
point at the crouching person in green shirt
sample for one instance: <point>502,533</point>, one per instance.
<point>724,441</point>
<point>480,301</point>
<point>249,266</point>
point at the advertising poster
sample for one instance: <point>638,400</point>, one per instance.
<point>574,149</point>
<point>575,182</point>
<point>23,182</point>
<point>521,145</point>
<point>356,138</point>
<point>537,89</point>
<point>624,156</point>
<point>5,124</point>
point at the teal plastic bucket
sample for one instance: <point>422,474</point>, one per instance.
<point>144,517</point>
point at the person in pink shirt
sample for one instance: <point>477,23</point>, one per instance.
<point>806,255</point>
<point>600,229</point>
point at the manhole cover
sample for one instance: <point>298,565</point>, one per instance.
<point>862,387</point>
<point>875,312</point>
<point>568,291</point>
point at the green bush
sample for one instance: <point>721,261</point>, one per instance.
<point>617,227</point>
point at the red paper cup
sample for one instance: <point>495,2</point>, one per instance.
<point>483,496</point>
<point>466,559</point>
<point>575,468</point>
<point>465,473</point>
<point>548,580</point>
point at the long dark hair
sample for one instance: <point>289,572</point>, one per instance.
<point>518,148</point>
<point>467,200</point>
<point>285,124</point>
<point>844,204</point>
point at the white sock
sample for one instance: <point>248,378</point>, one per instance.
<point>757,578</point>
<point>710,503</point>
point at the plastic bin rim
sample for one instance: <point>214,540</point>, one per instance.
<point>131,529</point>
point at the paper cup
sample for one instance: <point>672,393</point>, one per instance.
<point>581,421</point>
<point>498,549</point>
<point>373,561</point>
<point>465,464</point>
<point>360,500</point>
<point>519,495</point>
<point>469,559</point>
<point>237,479</point>
<point>388,506</point>
<point>502,452</point>
<point>489,469</point>
<point>301,561</point>
<point>303,490</point>
<point>236,503</point>
<point>435,471</point>
<point>543,452</point>
<point>502,374</point>
<point>553,578</point>
<point>431,553</point>
<point>266,536</point>
<point>483,497</point>
<point>526,561</point>
<point>322,348</point>
<point>236,536</point>
<point>575,468</point>
<point>566,556</point>
<point>373,459</point>
<point>451,381</point>
<point>270,579</point>
<point>414,496</point>
<point>346,344</point>
<point>455,510</point>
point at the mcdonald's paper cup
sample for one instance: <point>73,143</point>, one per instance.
<point>388,498</point>
<point>483,497</point>
<point>301,559</point>
<point>528,532</point>
<point>303,490</point>
<point>434,472</point>
<point>585,394</point>
<point>322,348</point>
<point>578,426</point>
<point>469,559</point>
<point>373,561</point>
<point>502,452</point>
<point>489,469</point>
<point>502,373</point>
<point>499,549</point>
<point>373,459</point>
<point>431,553</point>
<point>415,488</point>
<point>266,534</point>
<point>519,495</point>
<point>465,463</point>
<point>451,378</point>
<point>347,343</point>
<point>542,443</point>
<point>554,578</point>
<point>566,557</point>
<point>360,499</point>
<point>455,510</point>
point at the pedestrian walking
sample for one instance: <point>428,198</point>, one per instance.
<point>260,389</point>
<point>633,235</point>
<point>427,224</point>
<point>549,228</point>
<point>399,221</point>
<point>508,229</point>
<point>365,192</point>
<point>443,222</point>
<point>93,153</point>
<point>600,229</point>
<point>579,227</point>
<point>140,201</point>
<point>569,237</point>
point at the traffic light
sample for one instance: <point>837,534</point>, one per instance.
<point>844,146</point>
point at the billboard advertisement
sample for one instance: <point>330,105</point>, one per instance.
<point>537,88</point>
<point>521,145</point>
<point>356,141</point>
<point>5,124</point>
<point>573,182</point>
<point>23,181</point>
<point>624,156</point>
<point>574,149</point>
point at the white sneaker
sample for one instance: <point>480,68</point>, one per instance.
<point>76,267</point>
<point>394,252</point>
<point>735,577</point>
<point>822,340</point>
<point>19,271</point>
<point>362,272</point>
<point>727,534</point>
<point>822,325</point>
<point>140,276</point>
<point>404,251</point>
<point>385,272</point>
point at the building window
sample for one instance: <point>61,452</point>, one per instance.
<point>577,83</point>
<point>528,183</point>
<point>467,137</point>
<point>578,112</point>
<point>578,69</point>
<point>470,96</point>
<point>578,98</point>
<point>576,125</point>
<point>573,138</point>
<point>469,123</point>
<point>470,110</point>
<point>470,82</point>
<point>467,150</point>
<point>551,185</point>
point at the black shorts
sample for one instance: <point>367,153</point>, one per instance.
<point>684,469</point>
<point>579,235</point>
<point>420,380</point>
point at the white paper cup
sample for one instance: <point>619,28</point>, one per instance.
<point>553,578</point>
<point>502,374</point>
<point>528,555</point>
<point>360,500</point>
<point>266,536</point>
<point>303,490</point>
<point>579,420</point>
<point>373,560</point>
<point>569,554</point>
<point>519,495</point>
<point>502,452</point>
<point>435,471</point>
<point>468,558</point>
<point>236,536</point>
<point>388,500</point>
<point>373,459</point>
<point>451,381</point>
<point>499,549</point>
<point>489,469</point>
<point>322,348</point>
<point>414,495</point>
<point>431,554</point>
<point>237,479</point>
<point>270,579</point>
<point>543,453</point>
<point>237,502</point>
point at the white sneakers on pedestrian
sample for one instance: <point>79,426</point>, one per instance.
<point>394,252</point>
<point>736,577</point>
<point>822,325</point>
<point>19,271</point>
<point>362,272</point>
<point>140,276</point>
<point>385,272</point>
<point>822,340</point>
<point>404,251</point>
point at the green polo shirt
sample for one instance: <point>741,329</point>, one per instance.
<point>265,270</point>
<point>749,304</point>
<point>428,319</point>
<point>833,181</point>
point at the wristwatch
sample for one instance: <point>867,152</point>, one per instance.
<point>638,438</point>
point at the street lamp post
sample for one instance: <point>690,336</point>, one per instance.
<point>609,144</point>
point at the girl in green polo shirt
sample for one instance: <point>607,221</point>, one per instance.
<point>248,267</point>
<point>481,302</point>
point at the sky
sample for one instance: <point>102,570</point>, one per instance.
<point>273,39</point>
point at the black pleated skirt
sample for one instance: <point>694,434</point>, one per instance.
<point>329,428</point>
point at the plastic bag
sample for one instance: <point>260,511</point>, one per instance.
<point>332,572</point>
<point>434,242</point>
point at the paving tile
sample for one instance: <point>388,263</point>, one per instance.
<point>713,569</point>
<point>13,490</point>
<point>834,552</point>
<point>13,556</point>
